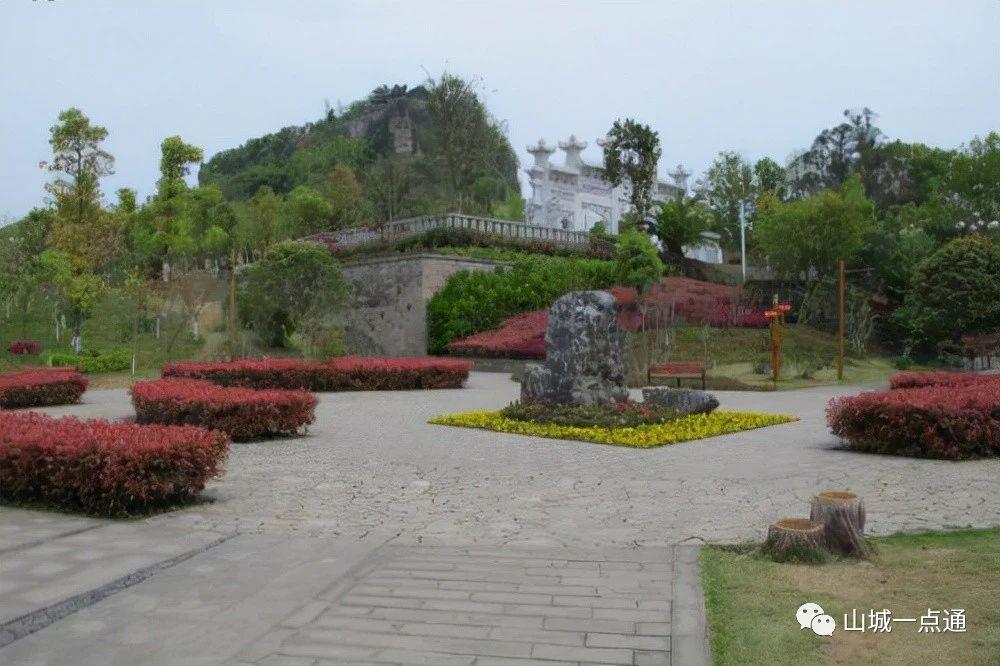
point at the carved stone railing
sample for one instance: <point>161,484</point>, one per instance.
<point>417,225</point>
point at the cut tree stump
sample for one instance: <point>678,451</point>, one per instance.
<point>842,515</point>
<point>790,534</point>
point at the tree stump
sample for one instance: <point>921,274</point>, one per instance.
<point>842,515</point>
<point>791,534</point>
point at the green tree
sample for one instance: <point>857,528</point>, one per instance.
<point>344,193</point>
<point>297,287</point>
<point>972,184</point>
<point>727,186</point>
<point>631,154</point>
<point>637,262</point>
<point>953,291</point>
<point>388,187</point>
<point>680,222</point>
<point>769,176</point>
<point>463,142</point>
<point>77,290</point>
<point>83,229</point>
<point>257,225</point>
<point>303,212</point>
<point>809,236</point>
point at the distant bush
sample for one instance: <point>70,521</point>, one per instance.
<point>936,421</point>
<point>92,362</point>
<point>241,413</point>
<point>920,379</point>
<point>24,347</point>
<point>347,373</point>
<point>104,468</point>
<point>475,301</point>
<point>953,292</point>
<point>41,387</point>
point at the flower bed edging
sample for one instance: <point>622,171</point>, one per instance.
<point>686,428</point>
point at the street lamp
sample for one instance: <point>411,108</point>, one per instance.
<point>743,240</point>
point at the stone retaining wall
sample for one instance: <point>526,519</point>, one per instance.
<point>388,315</point>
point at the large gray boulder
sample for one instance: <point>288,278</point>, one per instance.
<point>584,354</point>
<point>680,400</point>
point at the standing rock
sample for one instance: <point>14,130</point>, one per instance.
<point>584,354</point>
<point>682,401</point>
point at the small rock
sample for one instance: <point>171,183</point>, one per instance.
<point>682,401</point>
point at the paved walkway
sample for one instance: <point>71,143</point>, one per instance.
<point>318,543</point>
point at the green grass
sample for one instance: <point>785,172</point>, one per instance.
<point>730,354</point>
<point>685,428</point>
<point>109,328</point>
<point>751,602</point>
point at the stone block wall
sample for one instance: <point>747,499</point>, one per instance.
<point>388,313</point>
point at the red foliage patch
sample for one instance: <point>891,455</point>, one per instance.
<point>346,373</point>
<point>24,347</point>
<point>687,300</point>
<point>918,379</point>
<point>950,422</point>
<point>242,413</point>
<point>104,468</point>
<point>520,336</point>
<point>40,387</point>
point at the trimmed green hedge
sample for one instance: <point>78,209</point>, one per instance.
<point>474,301</point>
<point>92,362</point>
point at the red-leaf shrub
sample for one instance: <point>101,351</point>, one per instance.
<point>951,422</point>
<point>346,373</point>
<point>918,379</point>
<point>360,373</point>
<point>104,468</point>
<point>25,347</point>
<point>40,387</point>
<point>520,336</point>
<point>242,413</point>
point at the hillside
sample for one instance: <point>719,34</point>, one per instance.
<point>411,150</point>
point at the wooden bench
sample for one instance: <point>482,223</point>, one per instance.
<point>678,370</point>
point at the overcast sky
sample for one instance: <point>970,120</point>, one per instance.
<point>761,77</point>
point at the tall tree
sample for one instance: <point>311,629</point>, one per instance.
<point>631,154</point>
<point>728,184</point>
<point>174,229</point>
<point>807,237</point>
<point>344,193</point>
<point>464,143</point>
<point>303,212</point>
<point>388,187</point>
<point>83,228</point>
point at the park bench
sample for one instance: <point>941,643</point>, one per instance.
<point>678,370</point>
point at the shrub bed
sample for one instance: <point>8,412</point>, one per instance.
<point>104,468</point>
<point>24,347</point>
<point>520,336</point>
<point>346,373</point>
<point>93,362</point>
<point>620,415</point>
<point>949,422</point>
<point>694,426</point>
<point>241,413</point>
<point>41,387</point>
<point>920,379</point>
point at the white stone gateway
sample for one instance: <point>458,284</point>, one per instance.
<point>575,196</point>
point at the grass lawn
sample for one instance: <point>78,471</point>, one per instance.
<point>752,601</point>
<point>694,426</point>
<point>729,355</point>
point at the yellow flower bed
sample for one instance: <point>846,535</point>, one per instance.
<point>694,426</point>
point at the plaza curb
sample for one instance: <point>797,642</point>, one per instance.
<point>689,628</point>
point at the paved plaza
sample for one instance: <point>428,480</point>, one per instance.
<point>381,539</point>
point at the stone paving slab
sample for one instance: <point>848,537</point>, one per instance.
<point>426,605</point>
<point>203,610</point>
<point>20,528</point>
<point>78,562</point>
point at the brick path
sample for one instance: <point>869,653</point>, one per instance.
<point>488,606</point>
